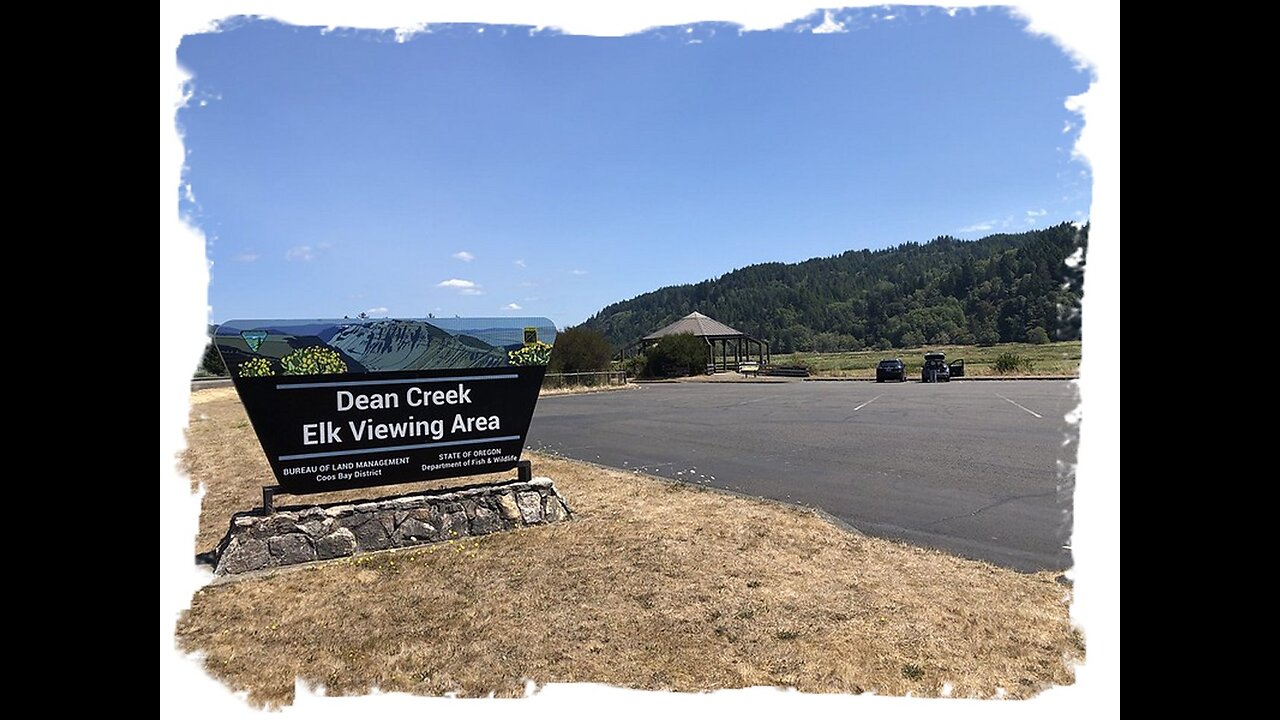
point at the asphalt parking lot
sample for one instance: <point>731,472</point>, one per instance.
<point>968,467</point>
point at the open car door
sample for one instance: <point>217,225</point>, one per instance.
<point>957,368</point>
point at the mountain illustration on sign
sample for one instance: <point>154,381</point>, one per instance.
<point>398,344</point>
<point>308,347</point>
<point>254,338</point>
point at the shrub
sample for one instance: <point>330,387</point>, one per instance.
<point>1008,362</point>
<point>634,366</point>
<point>257,367</point>
<point>314,360</point>
<point>580,350</point>
<point>680,354</point>
<point>1037,336</point>
<point>539,353</point>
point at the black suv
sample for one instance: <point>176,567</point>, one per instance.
<point>935,368</point>
<point>893,369</point>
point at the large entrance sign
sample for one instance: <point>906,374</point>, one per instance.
<point>343,404</point>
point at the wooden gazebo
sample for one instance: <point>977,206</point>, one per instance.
<point>735,347</point>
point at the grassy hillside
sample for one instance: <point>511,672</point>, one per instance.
<point>1002,288</point>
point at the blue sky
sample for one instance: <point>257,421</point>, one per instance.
<point>487,170</point>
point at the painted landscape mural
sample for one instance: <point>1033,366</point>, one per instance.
<point>256,348</point>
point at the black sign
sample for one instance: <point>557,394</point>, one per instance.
<point>343,431</point>
<point>342,404</point>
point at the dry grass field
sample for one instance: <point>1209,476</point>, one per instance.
<point>1053,359</point>
<point>652,585</point>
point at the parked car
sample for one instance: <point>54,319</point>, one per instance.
<point>935,368</point>
<point>893,369</point>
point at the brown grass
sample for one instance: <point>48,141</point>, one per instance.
<point>584,389</point>
<point>653,585</point>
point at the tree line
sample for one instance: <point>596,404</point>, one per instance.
<point>1003,288</point>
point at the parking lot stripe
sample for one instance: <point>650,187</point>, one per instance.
<point>1033,412</point>
<point>867,403</point>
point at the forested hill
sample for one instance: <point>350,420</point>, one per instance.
<point>1002,288</point>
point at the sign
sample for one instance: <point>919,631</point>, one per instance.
<point>340,404</point>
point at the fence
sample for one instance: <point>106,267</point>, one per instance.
<point>556,381</point>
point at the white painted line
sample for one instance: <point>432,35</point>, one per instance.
<point>868,402</point>
<point>1033,412</point>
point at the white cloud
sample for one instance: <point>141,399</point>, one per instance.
<point>464,256</point>
<point>575,271</point>
<point>520,263</point>
<point>526,283</point>
<point>464,287</point>
<point>511,306</point>
<point>978,227</point>
<point>247,257</point>
<point>1037,213</point>
<point>829,25</point>
<point>1066,126</point>
<point>376,311</point>
<point>300,253</point>
<point>406,34</point>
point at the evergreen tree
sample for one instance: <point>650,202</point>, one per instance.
<point>984,291</point>
<point>580,349</point>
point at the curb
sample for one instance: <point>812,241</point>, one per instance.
<point>739,382</point>
<point>992,378</point>
<point>821,514</point>
<point>979,378</point>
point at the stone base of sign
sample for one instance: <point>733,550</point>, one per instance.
<point>322,532</point>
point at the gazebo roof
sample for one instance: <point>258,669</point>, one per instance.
<point>697,324</point>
